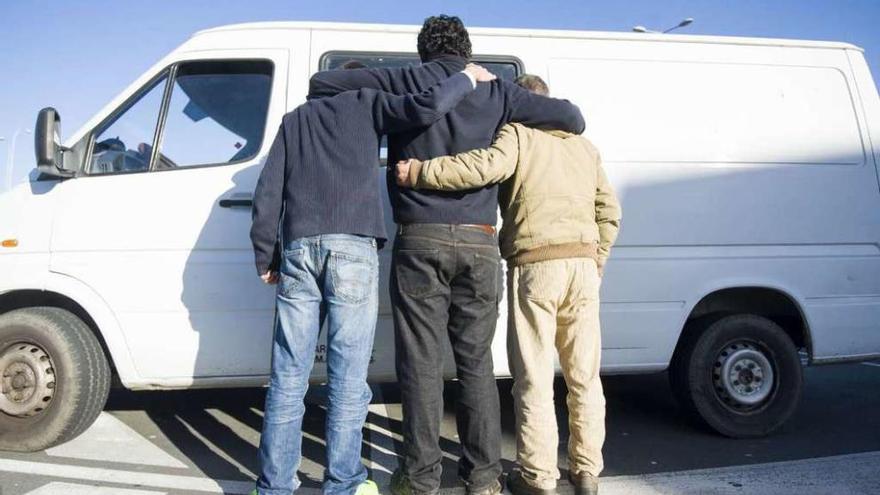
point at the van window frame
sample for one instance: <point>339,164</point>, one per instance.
<point>509,59</point>
<point>85,167</point>
<point>169,71</point>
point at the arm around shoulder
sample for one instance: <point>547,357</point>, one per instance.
<point>542,112</point>
<point>472,169</point>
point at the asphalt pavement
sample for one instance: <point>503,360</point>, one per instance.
<point>204,441</point>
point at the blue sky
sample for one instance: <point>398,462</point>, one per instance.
<point>75,56</point>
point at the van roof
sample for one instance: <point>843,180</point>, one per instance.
<point>548,33</point>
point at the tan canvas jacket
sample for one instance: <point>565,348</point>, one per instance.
<point>558,202</point>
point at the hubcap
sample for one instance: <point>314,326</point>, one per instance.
<point>28,381</point>
<point>743,376</point>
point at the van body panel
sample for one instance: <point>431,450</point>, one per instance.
<point>102,314</point>
<point>768,191</point>
<point>174,264</point>
<point>870,106</point>
<point>740,162</point>
<point>26,216</point>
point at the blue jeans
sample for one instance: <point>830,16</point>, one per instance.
<point>333,277</point>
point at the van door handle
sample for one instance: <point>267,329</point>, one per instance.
<point>245,202</point>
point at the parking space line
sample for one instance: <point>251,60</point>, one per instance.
<point>854,473</point>
<point>58,488</point>
<point>215,449</point>
<point>102,440</point>
<point>128,478</point>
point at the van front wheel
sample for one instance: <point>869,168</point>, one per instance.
<point>54,378</point>
<point>739,374</point>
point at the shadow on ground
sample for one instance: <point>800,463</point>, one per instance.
<point>217,431</point>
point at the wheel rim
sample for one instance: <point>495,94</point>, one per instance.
<point>27,384</point>
<point>743,376</point>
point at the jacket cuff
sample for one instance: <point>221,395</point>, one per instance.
<point>262,268</point>
<point>415,169</point>
<point>269,265</point>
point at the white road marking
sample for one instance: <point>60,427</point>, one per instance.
<point>243,431</point>
<point>111,440</point>
<point>851,474</point>
<point>58,488</point>
<point>215,449</point>
<point>866,363</point>
<point>151,480</point>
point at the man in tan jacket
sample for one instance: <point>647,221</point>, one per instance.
<point>561,217</point>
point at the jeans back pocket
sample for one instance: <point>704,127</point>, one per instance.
<point>352,277</point>
<point>293,272</point>
<point>416,271</point>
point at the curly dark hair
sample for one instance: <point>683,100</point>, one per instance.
<point>443,35</point>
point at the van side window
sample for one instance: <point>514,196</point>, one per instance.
<point>124,143</point>
<point>216,114</point>
<point>213,113</point>
<point>502,66</point>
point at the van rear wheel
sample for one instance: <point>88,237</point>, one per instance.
<point>739,374</point>
<point>54,378</point>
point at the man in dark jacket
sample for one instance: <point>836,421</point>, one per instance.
<point>319,187</point>
<point>446,273</point>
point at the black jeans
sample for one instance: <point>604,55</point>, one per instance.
<point>446,283</point>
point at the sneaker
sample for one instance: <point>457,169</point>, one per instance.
<point>518,485</point>
<point>493,489</point>
<point>584,483</point>
<point>368,487</point>
<point>400,485</point>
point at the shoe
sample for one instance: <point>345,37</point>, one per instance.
<point>584,483</point>
<point>400,485</point>
<point>493,489</point>
<point>368,487</point>
<point>255,492</point>
<point>518,485</point>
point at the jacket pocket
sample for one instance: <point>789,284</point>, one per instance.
<point>416,271</point>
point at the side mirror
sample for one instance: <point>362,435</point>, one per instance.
<point>47,144</point>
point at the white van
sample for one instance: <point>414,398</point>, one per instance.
<point>747,169</point>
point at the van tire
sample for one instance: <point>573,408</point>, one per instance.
<point>66,353</point>
<point>738,374</point>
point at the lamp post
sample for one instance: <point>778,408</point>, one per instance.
<point>684,22</point>
<point>10,157</point>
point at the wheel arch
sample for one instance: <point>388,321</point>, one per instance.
<point>70,294</point>
<point>776,303</point>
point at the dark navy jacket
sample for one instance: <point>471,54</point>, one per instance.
<point>322,170</point>
<point>472,124</point>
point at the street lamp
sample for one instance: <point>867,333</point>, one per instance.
<point>10,157</point>
<point>685,22</point>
